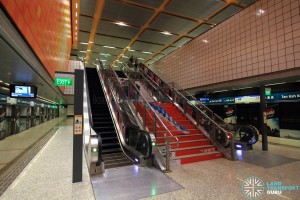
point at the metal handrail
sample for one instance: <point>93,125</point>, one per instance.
<point>155,86</point>
<point>163,124</point>
<point>147,103</point>
<point>211,119</point>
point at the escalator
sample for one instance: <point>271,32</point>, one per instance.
<point>112,153</point>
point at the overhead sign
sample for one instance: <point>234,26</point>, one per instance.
<point>63,81</point>
<point>267,91</point>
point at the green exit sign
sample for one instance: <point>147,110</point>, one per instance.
<point>63,81</point>
<point>267,91</point>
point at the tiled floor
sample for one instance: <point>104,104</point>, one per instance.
<point>49,175</point>
<point>14,145</point>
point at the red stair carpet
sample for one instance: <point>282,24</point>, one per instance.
<point>193,147</point>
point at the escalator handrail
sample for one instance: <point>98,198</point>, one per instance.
<point>88,100</point>
<point>147,136</point>
<point>157,117</point>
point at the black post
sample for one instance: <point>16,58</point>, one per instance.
<point>263,118</point>
<point>78,126</point>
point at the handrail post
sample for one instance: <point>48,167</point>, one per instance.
<point>232,149</point>
<point>167,155</point>
<point>154,126</point>
<point>144,116</point>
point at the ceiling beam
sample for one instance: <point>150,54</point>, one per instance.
<point>95,23</point>
<point>228,3</point>
<point>144,27</point>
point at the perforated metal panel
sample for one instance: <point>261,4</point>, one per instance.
<point>156,37</point>
<point>198,31</point>
<point>199,9</point>
<point>85,23</point>
<point>143,46</point>
<point>165,22</point>
<point>83,36</point>
<point>169,50</point>
<point>228,12</point>
<point>87,7</point>
<point>109,28</point>
<point>182,41</point>
<point>151,3</point>
<point>111,41</point>
<point>119,11</point>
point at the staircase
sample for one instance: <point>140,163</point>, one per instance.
<point>193,145</point>
<point>103,124</point>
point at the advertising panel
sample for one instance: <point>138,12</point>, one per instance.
<point>230,114</point>
<point>273,120</point>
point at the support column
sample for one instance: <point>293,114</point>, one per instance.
<point>263,118</point>
<point>78,126</point>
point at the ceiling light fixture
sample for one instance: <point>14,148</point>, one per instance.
<point>131,50</point>
<point>109,47</point>
<point>76,14</point>
<point>166,33</point>
<point>205,41</point>
<point>121,23</point>
<point>147,52</point>
<point>83,43</point>
<point>141,58</point>
<point>76,5</point>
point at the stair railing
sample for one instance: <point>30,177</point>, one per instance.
<point>130,93</point>
<point>212,125</point>
<point>152,88</point>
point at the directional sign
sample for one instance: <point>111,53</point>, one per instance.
<point>63,81</point>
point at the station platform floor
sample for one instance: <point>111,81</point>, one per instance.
<point>49,174</point>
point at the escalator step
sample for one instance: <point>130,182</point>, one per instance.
<point>111,151</point>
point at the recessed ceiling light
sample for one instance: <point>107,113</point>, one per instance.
<point>82,51</point>
<point>205,41</point>
<point>141,58</point>
<point>91,42</point>
<point>76,14</point>
<point>103,60</point>
<point>83,43</point>
<point>131,50</point>
<point>109,47</point>
<point>76,5</point>
<point>121,23</point>
<point>147,52</point>
<point>166,33</point>
<point>105,54</point>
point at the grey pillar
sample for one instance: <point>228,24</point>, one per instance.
<point>263,118</point>
<point>78,126</point>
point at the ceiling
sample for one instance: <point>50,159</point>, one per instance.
<point>143,23</point>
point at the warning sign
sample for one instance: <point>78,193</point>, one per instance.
<point>78,124</point>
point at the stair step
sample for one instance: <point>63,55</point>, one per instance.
<point>111,151</point>
<point>198,157</point>
<point>193,150</point>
